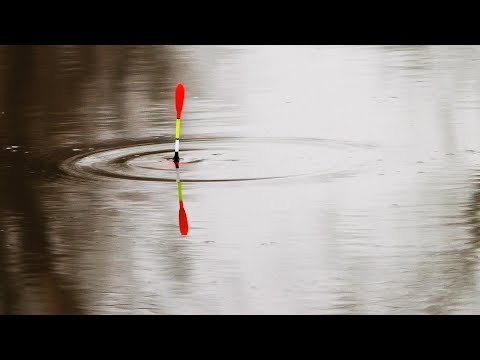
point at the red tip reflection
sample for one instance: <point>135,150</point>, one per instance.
<point>182,219</point>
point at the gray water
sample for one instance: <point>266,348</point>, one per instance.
<point>316,180</point>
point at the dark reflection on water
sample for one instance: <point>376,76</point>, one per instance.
<point>60,99</point>
<point>368,203</point>
<point>35,286</point>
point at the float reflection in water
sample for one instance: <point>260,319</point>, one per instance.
<point>182,216</point>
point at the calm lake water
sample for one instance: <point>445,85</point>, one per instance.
<point>316,180</point>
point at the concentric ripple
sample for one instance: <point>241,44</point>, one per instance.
<point>212,160</point>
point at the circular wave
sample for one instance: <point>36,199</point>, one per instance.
<point>215,159</point>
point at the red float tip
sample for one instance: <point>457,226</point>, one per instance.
<point>179,97</point>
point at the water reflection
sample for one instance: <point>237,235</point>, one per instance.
<point>56,99</point>
<point>26,253</point>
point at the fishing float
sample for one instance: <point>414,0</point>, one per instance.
<point>182,215</point>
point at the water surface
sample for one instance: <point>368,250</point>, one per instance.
<point>316,179</point>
